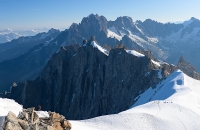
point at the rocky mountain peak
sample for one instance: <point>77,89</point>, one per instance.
<point>93,16</point>
<point>52,30</point>
<point>124,19</point>
<point>96,21</point>
<point>193,18</point>
<point>150,21</point>
<point>125,22</point>
<point>182,60</point>
<point>187,68</point>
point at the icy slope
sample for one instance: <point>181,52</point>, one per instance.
<point>174,104</point>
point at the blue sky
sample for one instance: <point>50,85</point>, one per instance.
<point>29,14</point>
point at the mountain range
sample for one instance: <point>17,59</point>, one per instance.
<point>167,42</point>
<point>100,67</point>
<point>85,81</point>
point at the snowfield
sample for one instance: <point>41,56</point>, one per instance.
<point>174,104</point>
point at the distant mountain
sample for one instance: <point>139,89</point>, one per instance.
<point>167,42</point>
<point>25,57</point>
<point>8,34</point>
<point>22,45</point>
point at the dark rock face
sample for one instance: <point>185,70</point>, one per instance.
<point>187,68</point>
<point>83,82</point>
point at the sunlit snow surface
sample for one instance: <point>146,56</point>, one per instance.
<point>135,53</point>
<point>7,105</point>
<point>94,44</point>
<point>156,63</point>
<point>112,32</point>
<point>173,105</point>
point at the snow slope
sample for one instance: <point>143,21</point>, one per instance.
<point>112,32</point>
<point>173,105</point>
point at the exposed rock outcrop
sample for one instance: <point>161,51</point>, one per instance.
<point>187,68</point>
<point>29,120</point>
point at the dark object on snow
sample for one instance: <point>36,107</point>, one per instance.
<point>39,108</point>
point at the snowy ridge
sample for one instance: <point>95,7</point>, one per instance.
<point>173,105</point>
<point>94,44</point>
<point>106,52</point>
<point>135,53</point>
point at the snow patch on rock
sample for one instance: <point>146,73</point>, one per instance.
<point>94,44</point>
<point>135,53</point>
